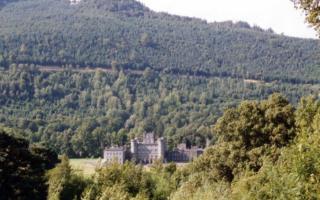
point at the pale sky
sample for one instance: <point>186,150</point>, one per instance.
<point>280,15</point>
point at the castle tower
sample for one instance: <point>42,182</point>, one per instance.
<point>134,148</point>
<point>161,148</point>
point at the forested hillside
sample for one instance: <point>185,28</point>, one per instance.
<point>126,34</point>
<point>169,74</point>
<point>76,78</point>
<point>79,113</point>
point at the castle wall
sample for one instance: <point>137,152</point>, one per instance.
<point>147,153</point>
<point>114,155</point>
<point>183,155</point>
<point>148,138</point>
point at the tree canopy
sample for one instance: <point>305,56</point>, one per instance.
<point>23,168</point>
<point>101,33</point>
<point>312,11</point>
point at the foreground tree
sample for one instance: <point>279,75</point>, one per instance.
<point>312,11</point>
<point>245,135</point>
<point>296,174</point>
<point>64,183</point>
<point>22,168</point>
<point>285,143</point>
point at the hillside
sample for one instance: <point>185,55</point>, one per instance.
<point>79,112</point>
<point>82,75</point>
<point>77,78</point>
<point>126,34</point>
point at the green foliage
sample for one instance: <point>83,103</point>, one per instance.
<point>64,183</point>
<point>78,113</point>
<point>22,168</point>
<point>294,176</point>
<point>305,114</point>
<point>312,11</point>
<point>168,74</point>
<point>207,191</point>
<point>164,179</point>
<point>265,150</point>
<point>245,135</point>
<point>128,180</point>
<point>277,163</point>
<point>162,73</point>
<point>254,124</point>
<point>104,32</point>
<point>114,192</point>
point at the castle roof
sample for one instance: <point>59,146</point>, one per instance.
<point>115,149</point>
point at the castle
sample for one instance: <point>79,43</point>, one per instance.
<point>149,150</point>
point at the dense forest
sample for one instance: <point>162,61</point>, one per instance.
<point>78,113</point>
<point>121,69</point>
<point>266,149</point>
<point>124,33</point>
<point>75,78</point>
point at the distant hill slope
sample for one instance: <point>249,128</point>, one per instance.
<point>197,70</point>
<point>126,34</point>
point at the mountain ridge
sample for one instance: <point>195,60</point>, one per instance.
<point>102,32</point>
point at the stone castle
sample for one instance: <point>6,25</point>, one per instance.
<point>149,150</point>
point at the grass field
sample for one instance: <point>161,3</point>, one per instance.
<point>85,166</point>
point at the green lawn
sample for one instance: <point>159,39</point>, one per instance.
<point>85,166</point>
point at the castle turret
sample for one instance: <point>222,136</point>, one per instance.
<point>134,149</point>
<point>134,146</point>
<point>161,148</point>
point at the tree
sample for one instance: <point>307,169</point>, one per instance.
<point>1,60</point>
<point>312,11</point>
<point>117,181</point>
<point>246,134</point>
<point>22,171</point>
<point>305,113</point>
<point>253,124</point>
<point>296,173</point>
<point>145,39</point>
<point>114,192</point>
<point>63,183</point>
